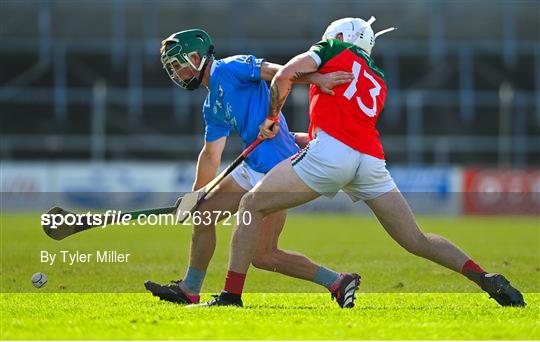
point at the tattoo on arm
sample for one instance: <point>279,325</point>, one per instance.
<point>303,77</point>
<point>300,74</point>
<point>276,101</point>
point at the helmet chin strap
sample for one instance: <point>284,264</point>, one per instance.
<point>194,83</point>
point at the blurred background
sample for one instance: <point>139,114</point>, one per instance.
<point>86,106</point>
<point>89,120</point>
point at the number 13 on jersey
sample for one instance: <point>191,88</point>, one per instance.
<point>373,92</point>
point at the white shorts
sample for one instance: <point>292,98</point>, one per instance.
<point>327,165</point>
<point>246,177</point>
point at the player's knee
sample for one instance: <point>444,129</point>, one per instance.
<point>205,216</point>
<point>250,203</point>
<point>207,207</point>
<point>264,261</point>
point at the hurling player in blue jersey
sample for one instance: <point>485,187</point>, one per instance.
<point>238,99</point>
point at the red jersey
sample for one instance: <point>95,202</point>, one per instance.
<point>350,115</point>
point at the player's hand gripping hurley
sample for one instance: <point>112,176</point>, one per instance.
<point>191,201</point>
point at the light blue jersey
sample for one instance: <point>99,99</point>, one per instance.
<point>238,100</point>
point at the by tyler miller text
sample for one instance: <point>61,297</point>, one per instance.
<point>78,257</point>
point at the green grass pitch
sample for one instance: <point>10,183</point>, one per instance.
<point>401,296</point>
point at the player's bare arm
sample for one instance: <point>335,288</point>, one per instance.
<point>326,82</point>
<point>208,162</point>
<point>281,86</point>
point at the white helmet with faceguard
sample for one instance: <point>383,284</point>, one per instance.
<point>355,31</point>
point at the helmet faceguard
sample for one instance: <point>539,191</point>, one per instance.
<point>177,53</point>
<point>355,31</point>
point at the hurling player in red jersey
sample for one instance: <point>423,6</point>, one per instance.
<point>345,154</point>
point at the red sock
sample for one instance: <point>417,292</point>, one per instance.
<point>234,283</point>
<point>472,271</point>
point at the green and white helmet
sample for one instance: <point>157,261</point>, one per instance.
<point>179,47</point>
<point>355,31</point>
